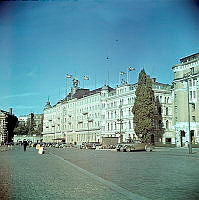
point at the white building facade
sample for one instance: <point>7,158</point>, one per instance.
<point>87,116</point>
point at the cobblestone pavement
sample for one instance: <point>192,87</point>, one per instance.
<point>28,175</point>
<point>88,174</point>
<point>165,174</point>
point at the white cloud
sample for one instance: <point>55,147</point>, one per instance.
<point>18,95</point>
<point>22,107</point>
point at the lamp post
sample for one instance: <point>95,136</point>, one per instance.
<point>189,126</point>
<point>120,120</point>
<point>67,77</point>
<point>86,113</point>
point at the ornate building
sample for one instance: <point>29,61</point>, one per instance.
<point>87,116</point>
<point>186,94</point>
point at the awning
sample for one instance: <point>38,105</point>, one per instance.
<point>59,139</point>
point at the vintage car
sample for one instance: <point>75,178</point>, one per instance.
<point>90,145</point>
<point>134,146</point>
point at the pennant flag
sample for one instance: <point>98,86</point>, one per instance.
<point>86,78</point>
<point>131,68</point>
<point>122,73</point>
<point>68,76</point>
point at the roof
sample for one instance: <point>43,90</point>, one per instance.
<point>193,56</point>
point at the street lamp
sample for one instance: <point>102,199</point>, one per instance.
<point>189,126</point>
<point>86,114</point>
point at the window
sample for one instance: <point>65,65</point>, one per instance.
<point>121,113</point>
<point>194,118</point>
<point>111,126</point>
<point>167,111</point>
<point>194,94</point>
<point>168,141</point>
<point>193,107</point>
<point>129,124</point>
<point>190,94</point>
<point>190,83</point>
<point>167,124</point>
<point>194,81</point>
<point>192,70</point>
<point>129,111</point>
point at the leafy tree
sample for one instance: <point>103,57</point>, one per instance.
<point>21,129</point>
<point>31,124</point>
<point>144,108</point>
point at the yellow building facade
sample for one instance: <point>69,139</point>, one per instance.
<point>186,103</point>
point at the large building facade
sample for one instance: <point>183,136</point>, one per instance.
<point>186,104</point>
<point>88,116</point>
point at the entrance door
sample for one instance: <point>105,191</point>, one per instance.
<point>192,137</point>
<point>182,134</point>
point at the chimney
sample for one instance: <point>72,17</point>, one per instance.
<point>10,111</point>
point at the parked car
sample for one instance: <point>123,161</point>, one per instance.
<point>135,145</point>
<point>90,145</point>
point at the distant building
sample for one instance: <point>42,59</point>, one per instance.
<point>7,125</point>
<point>34,121</point>
<point>186,95</point>
<point>23,119</point>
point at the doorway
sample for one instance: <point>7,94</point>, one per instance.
<point>182,134</point>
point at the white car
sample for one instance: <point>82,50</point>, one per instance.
<point>134,146</point>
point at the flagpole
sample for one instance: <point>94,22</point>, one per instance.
<point>127,74</point>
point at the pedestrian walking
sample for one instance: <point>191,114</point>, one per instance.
<point>25,144</point>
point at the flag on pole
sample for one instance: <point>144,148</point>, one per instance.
<point>68,76</point>
<point>122,73</point>
<point>131,68</point>
<point>86,78</point>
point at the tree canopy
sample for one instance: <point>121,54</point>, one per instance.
<point>144,108</point>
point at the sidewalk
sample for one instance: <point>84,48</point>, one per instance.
<point>5,148</point>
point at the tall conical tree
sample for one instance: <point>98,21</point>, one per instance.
<point>144,108</point>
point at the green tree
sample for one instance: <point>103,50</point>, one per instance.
<point>144,108</point>
<point>20,129</point>
<point>31,124</point>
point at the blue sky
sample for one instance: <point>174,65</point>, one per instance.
<point>40,42</point>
